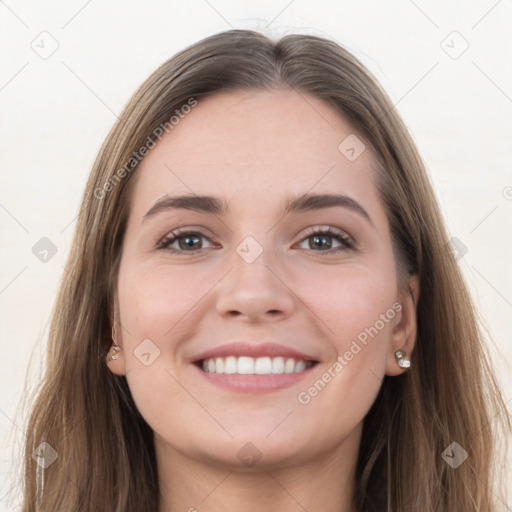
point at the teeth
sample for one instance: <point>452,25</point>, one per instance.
<point>289,366</point>
<point>263,366</point>
<point>244,365</point>
<point>300,366</point>
<point>230,364</point>
<point>277,365</point>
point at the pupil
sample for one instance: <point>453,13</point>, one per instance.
<point>189,241</point>
<point>320,238</point>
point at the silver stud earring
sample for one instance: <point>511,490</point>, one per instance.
<point>115,349</point>
<point>400,357</point>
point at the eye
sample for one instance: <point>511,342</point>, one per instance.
<point>187,241</point>
<point>324,240</point>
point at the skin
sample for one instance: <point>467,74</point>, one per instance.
<point>253,150</point>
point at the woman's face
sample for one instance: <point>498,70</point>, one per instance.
<point>248,280</point>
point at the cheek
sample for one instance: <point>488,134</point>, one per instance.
<point>159,307</point>
<point>356,307</point>
<point>348,299</point>
<point>155,299</point>
<point>159,312</point>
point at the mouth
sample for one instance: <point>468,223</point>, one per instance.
<point>252,366</point>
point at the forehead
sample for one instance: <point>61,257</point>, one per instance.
<point>254,145</point>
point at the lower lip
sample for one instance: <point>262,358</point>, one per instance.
<point>254,383</point>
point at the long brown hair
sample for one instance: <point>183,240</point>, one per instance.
<point>105,451</point>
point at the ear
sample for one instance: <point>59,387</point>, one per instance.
<point>404,332</point>
<point>118,365</point>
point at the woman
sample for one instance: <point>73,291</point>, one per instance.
<point>260,309</point>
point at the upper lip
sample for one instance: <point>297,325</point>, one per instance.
<point>244,348</point>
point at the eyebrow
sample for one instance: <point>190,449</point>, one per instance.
<point>302,203</point>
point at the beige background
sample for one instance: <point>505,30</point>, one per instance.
<point>446,67</point>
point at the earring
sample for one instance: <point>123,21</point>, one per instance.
<point>401,360</point>
<point>115,348</point>
<point>115,355</point>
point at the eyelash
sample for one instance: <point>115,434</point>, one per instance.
<point>345,241</point>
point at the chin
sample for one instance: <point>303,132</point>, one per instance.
<point>258,452</point>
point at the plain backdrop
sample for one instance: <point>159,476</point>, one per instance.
<point>68,68</point>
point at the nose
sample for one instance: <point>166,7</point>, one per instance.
<point>257,291</point>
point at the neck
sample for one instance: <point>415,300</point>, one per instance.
<point>324,484</point>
